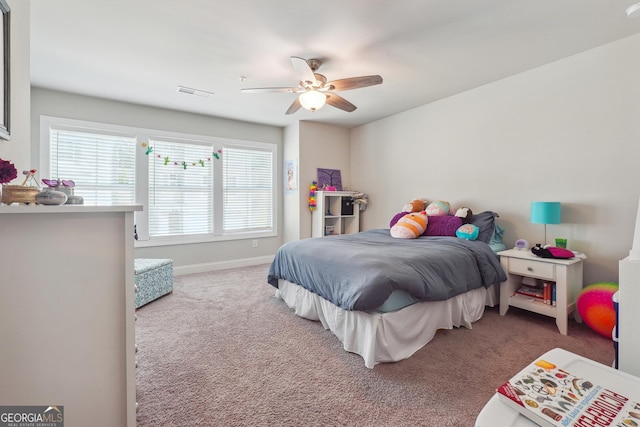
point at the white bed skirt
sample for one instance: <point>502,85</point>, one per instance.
<point>388,337</point>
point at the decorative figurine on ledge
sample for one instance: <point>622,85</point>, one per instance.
<point>65,186</point>
<point>25,193</point>
<point>50,195</point>
<point>30,178</point>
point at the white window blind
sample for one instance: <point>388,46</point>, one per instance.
<point>247,189</point>
<point>180,189</point>
<point>102,165</point>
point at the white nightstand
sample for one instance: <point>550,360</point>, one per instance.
<point>566,273</point>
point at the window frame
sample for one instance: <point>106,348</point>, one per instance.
<point>143,136</point>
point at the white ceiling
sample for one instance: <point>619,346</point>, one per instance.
<point>140,50</point>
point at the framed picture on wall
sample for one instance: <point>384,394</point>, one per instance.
<point>4,70</point>
<point>329,179</point>
<point>291,177</point>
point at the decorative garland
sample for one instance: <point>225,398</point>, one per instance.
<point>183,163</point>
<point>312,196</point>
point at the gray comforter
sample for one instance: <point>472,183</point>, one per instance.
<point>359,271</point>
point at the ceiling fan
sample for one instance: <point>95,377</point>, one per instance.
<point>315,90</point>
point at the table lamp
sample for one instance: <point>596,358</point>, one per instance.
<point>545,213</point>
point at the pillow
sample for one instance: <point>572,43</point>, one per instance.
<point>443,225</point>
<point>395,218</point>
<point>497,235</point>
<point>410,226</point>
<point>468,232</point>
<point>485,221</point>
<point>415,205</point>
<point>439,208</point>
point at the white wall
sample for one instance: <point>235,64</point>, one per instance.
<point>568,131</point>
<point>186,258</point>
<point>313,146</point>
<point>321,146</point>
<point>16,149</point>
<point>292,208</point>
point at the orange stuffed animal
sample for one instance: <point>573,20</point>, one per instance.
<point>415,205</point>
<point>410,226</point>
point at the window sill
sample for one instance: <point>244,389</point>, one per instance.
<point>189,240</point>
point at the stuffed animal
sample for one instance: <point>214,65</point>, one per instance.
<point>468,232</point>
<point>410,226</point>
<point>464,214</point>
<point>551,252</point>
<point>439,208</point>
<point>415,205</point>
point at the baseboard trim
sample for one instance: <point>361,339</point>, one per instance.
<point>222,265</point>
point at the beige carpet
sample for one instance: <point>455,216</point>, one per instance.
<point>223,351</point>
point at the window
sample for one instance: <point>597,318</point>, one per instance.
<point>101,165</point>
<point>180,183</point>
<point>247,189</point>
<point>193,188</point>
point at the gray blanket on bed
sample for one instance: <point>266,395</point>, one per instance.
<point>359,271</point>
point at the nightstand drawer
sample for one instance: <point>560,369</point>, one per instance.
<point>539,269</point>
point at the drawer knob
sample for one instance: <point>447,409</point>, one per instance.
<point>529,269</point>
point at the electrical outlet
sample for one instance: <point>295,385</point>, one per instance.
<point>255,243</point>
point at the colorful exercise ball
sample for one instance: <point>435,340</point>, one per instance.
<point>595,306</point>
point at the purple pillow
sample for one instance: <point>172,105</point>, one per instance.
<point>437,226</point>
<point>443,225</point>
<point>396,218</point>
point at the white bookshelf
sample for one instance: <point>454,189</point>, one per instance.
<point>333,216</point>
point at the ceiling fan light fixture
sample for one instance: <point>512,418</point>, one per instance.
<point>633,11</point>
<point>312,100</point>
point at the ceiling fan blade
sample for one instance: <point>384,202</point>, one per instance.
<point>339,102</point>
<point>302,70</point>
<point>355,82</point>
<point>295,106</point>
<point>268,90</point>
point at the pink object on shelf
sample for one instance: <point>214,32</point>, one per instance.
<point>330,188</point>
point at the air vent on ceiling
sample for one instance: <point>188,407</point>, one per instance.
<point>196,92</point>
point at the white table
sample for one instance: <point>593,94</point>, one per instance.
<point>565,273</point>
<point>67,332</point>
<point>497,414</point>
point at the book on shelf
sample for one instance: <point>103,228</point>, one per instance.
<point>531,291</point>
<point>548,290</point>
<point>552,397</point>
<point>546,293</point>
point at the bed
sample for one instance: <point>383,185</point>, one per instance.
<point>385,298</point>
